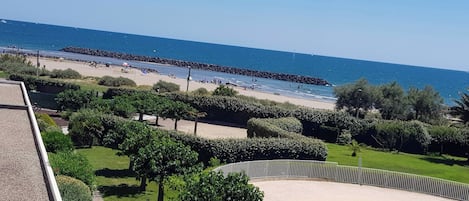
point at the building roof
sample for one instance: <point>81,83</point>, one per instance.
<point>24,168</point>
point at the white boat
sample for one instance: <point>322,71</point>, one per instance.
<point>3,21</point>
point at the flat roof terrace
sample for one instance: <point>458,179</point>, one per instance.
<point>25,173</point>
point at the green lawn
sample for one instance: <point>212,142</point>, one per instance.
<point>115,181</point>
<point>445,167</point>
<point>3,74</point>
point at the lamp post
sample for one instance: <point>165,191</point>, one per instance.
<point>359,99</point>
<point>188,78</point>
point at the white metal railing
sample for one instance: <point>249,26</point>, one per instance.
<point>331,171</point>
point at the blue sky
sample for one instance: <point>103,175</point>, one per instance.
<point>432,33</point>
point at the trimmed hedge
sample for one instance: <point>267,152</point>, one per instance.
<point>44,85</point>
<point>236,150</point>
<point>290,124</point>
<point>65,74</point>
<point>116,81</point>
<point>271,128</point>
<point>72,189</point>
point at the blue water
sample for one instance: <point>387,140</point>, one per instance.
<point>50,39</point>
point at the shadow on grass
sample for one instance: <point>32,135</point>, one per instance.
<point>106,172</point>
<point>121,190</point>
<point>446,161</point>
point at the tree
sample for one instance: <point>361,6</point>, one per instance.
<point>461,109</point>
<point>223,90</point>
<point>392,104</point>
<point>161,158</point>
<point>355,97</point>
<point>137,135</point>
<point>178,110</point>
<point>75,99</point>
<point>84,126</point>
<point>444,135</point>
<point>425,104</point>
<point>214,186</point>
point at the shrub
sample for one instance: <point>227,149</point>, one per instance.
<point>72,189</point>
<point>223,90</point>
<point>44,85</point>
<point>45,122</point>
<point>201,92</point>
<point>344,138</point>
<point>290,124</point>
<point>73,165</point>
<point>57,142</point>
<point>116,82</point>
<point>65,74</point>
<point>162,87</point>
<point>267,128</point>
<point>111,92</point>
<point>236,150</point>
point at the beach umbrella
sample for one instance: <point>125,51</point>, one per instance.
<point>125,64</point>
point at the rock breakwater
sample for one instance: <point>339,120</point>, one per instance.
<point>201,66</point>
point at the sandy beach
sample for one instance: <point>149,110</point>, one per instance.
<point>151,78</point>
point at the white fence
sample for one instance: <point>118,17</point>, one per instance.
<point>346,174</point>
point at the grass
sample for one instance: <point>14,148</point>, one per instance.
<point>3,74</point>
<point>445,167</point>
<point>115,181</point>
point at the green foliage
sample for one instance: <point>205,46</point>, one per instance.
<point>44,85</point>
<point>392,103</point>
<point>72,189</point>
<point>55,141</point>
<point>19,65</point>
<point>344,138</point>
<point>274,128</point>
<point>355,97</point>
<point>65,74</point>
<point>461,109</point>
<point>425,104</point>
<point>354,147</point>
<point>444,135</point>
<point>111,92</point>
<point>214,186</point>
<point>161,158</point>
<point>84,126</point>
<point>73,165</point>
<point>200,92</point>
<point>116,81</point>
<point>45,121</point>
<point>401,136</point>
<point>177,110</point>
<point>223,90</point>
<point>75,99</point>
<point>162,87</point>
<point>236,150</point>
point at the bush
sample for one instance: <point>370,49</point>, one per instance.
<point>111,92</point>
<point>57,142</point>
<point>65,74</point>
<point>116,82</point>
<point>44,85</point>
<point>44,121</point>
<point>72,189</point>
<point>84,126</point>
<point>344,138</point>
<point>290,124</point>
<point>236,150</point>
<point>201,92</point>
<point>404,136</point>
<point>73,165</point>
<point>223,90</point>
<point>268,128</point>
<point>162,87</point>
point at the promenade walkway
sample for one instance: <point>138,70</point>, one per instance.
<point>25,173</point>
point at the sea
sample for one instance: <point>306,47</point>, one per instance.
<point>49,39</point>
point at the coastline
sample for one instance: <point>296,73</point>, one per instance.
<point>151,78</point>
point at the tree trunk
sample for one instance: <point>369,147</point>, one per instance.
<point>441,149</point>
<point>175,124</point>
<point>143,183</point>
<point>195,126</point>
<point>131,164</point>
<point>160,190</point>
<point>156,121</point>
<point>140,116</point>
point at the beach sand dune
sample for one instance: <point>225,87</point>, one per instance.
<point>151,78</point>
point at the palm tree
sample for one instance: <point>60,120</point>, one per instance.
<point>462,108</point>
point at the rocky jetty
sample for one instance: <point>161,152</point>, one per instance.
<point>201,66</point>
